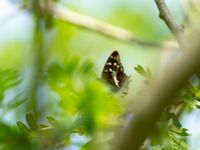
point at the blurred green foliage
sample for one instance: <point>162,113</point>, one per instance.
<point>168,132</point>
<point>69,97</point>
<point>8,79</point>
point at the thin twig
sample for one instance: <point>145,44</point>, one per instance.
<point>94,25</point>
<point>101,27</point>
<point>171,81</point>
<point>165,15</point>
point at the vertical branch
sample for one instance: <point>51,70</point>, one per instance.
<point>37,66</point>
<point>37,57</point>
<point>165,15</point>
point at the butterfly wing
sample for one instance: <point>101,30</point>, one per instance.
<point>113,72</point>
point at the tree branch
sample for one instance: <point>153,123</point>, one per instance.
<point>170,82</point>
<point>103,28</point>
<point>165,15</point>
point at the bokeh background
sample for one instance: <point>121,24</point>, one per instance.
<point>64,43</point>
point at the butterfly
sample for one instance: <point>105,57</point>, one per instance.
<point>113,73</point>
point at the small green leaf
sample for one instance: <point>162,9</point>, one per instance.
<point>144,72</point>
<point>140,70</point>
<point>71,65</point>
<point>184,132</point>
<point>16,103</point>
<point>23,127</point>
<point>176,122</point>
<point>51,120</point>
<point>31,120</point>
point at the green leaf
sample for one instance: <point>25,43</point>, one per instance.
<point>144,72</point>
<point>15,103</point>
<point>23,127</point>
<point>184,132</point>
<point>176,122</point>
<point>31,120</point>
<point>51,120</point>
<point>8,79</point>
<point>71,65</point>
<point>177,137</point>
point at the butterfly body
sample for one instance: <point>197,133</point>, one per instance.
<point>113,72</point>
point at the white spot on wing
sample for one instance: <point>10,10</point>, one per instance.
<point>110,70</point>
<point>109,64</point>
<point>105,71</point>
<point>116,81</point>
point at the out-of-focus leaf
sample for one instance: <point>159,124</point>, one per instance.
<point>176,121</point>
<point>23,127</point>
<point>169,134</point>
<point>87,68</point>
<point>11,138</point>
<point>31,120</point>
<point>15,103</point>
<point>71,65</point>
<point>8,79</point>
<point>184,132</point>
<point>144,72</point>
<point>177,137</point>
<point>81,93</point>
<point>51,120</point>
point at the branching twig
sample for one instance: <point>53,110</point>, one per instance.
<point>101,27</point>
<point>170,83</point>
<point>165,15</point>
<point>95,25</point>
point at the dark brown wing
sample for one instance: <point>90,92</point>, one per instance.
<point>113,71</point>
